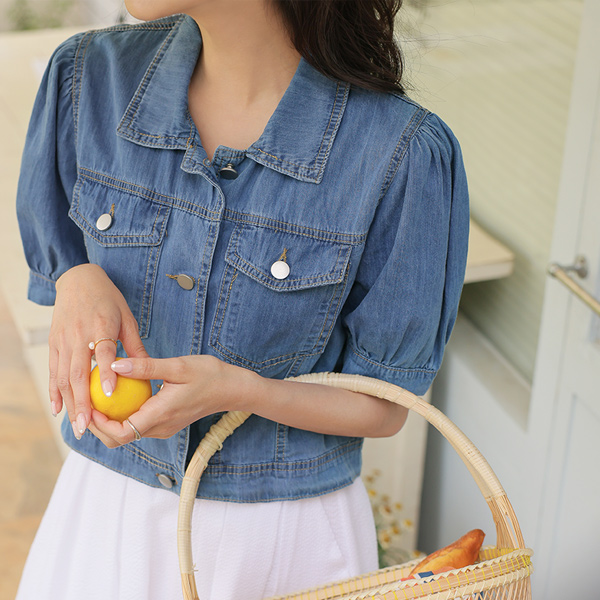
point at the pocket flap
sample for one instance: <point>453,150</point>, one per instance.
<point>116,213</point>
<point>312,262</point>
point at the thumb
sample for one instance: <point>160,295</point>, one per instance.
<point>130,338</point>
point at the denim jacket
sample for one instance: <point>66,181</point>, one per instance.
<point>359,196</point>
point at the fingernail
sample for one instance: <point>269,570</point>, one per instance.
<point>107,388</point>
<point>122,366</point>
<point>53,408</point>
<point>81,424</point>
<point>75,431</point>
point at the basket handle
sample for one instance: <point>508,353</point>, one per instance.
<point>508,531</point>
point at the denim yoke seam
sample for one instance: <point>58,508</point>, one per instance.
<point>152,195</point>
<point>327,132</point>
<point>353,239</point>
<point>401,149</point>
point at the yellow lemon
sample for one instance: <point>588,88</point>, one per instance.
<point>127,397</point>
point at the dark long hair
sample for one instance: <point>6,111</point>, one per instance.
<point>348,40</point>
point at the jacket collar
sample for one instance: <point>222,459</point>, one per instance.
<point>296,140</point>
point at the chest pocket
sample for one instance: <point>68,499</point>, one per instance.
<point>266,318</point>
<point>124,228</point>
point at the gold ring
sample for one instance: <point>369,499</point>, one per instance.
<point>138,435</point>
<point>92,345</point>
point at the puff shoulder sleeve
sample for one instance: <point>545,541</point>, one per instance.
<point>51,241</point>
<point>404,302</point>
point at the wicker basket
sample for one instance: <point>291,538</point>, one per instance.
<point>502,571</point>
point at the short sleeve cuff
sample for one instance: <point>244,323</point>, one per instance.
<point>41,290</point>
<point>415,380</point>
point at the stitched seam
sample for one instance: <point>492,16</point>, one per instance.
<point>78,81</point>
<point>148,75</point>
<point>333,109</point>
<point>327,133</point>
<point>324,278</point>
<point>149,459</point>
<point>279,453</point>
<point>224,310</point>
<point>302,171</point>
<point>159,137</point>
<point>265,222</point>
<point>154,196</point>
<point>143,236</point>
<point>91,37</point>
<point>399,369</point>
<point>137,453</point>
<point>400,141</point>
<point>271,362</point>
<point>276,360</point>
<point>322,140</point>
<point>144,291</point>
<point>291,467</point>
<point>284,285</point>
<point>419,117</point>
<point>206,245</point>
<point>339,117</point>
<point>149,292</point>
<point>147,26</point>
<point>36,274</point>
<point>278,498</point>
<point>337,308</point>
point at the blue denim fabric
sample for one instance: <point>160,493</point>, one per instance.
<point>363,193</point>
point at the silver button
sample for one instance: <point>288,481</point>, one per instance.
<point>280,269</point>
<point>186,282</point>
<point>228,172</point>
<point>165,480</point>
<point>104,222</point>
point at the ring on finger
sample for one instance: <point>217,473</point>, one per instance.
<point>92,345</point>
<point>138,435</point>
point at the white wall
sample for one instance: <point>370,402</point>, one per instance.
<point>489,401</point>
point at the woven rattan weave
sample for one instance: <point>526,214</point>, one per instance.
<point>502,573</point>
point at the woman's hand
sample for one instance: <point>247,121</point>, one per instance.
<point>88,307</point>
<point>198,386</point>
<point>194,387</point>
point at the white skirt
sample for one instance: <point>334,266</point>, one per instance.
<point>106,536</point>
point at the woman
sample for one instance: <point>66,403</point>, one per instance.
<point>236,194</point>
